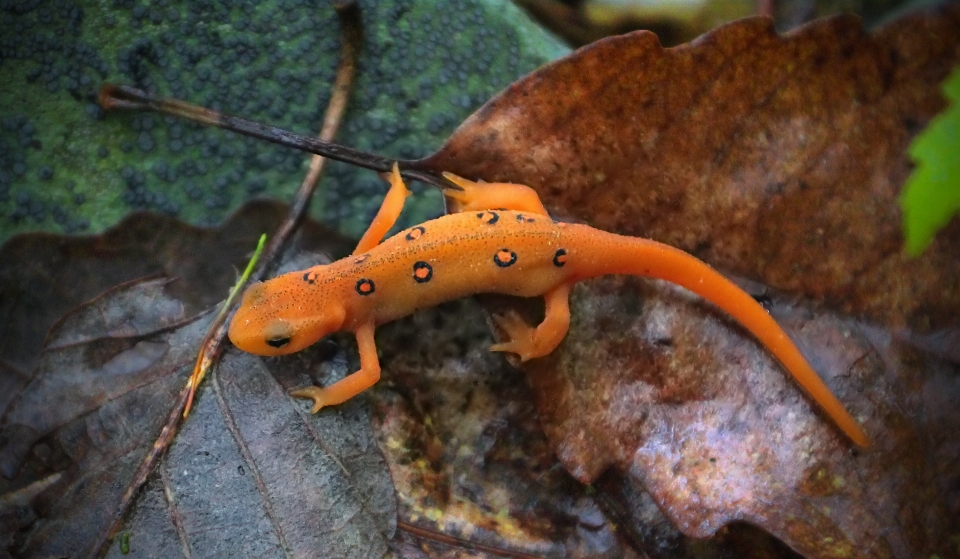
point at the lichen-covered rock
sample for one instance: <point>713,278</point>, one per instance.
<point>66,167</point>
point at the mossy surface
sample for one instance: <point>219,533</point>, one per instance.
<point>67,167</point>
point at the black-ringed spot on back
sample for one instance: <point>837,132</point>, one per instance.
<point>415,233</point>
<point>560,258</point>
<point>505,258</point>
<point>524,219</point>
<point>361,259</point>
<point>310,277</point>
<point>489,217</point>
<point>365,287</point>
<point>422,272</point>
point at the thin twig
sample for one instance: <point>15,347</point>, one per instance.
<point>212,347</point>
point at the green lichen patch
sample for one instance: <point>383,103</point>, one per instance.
<point>67,167</point>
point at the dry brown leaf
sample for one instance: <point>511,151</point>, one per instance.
<point>778,158</point>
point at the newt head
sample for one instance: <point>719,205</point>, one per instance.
<point>283,315</point>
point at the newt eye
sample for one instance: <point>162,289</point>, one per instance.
<point>277,334</point>
<point>278,342</point>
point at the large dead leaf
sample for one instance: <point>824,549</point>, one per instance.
<point>779,159</point>
<point>44,276</point>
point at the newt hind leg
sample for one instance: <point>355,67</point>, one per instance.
<point>529,342</point>
<point>492,195</point>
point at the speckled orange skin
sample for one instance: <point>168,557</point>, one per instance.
<point>480,250</point>
<point>456,247</point>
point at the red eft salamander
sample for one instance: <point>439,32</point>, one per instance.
<point>515,250</point>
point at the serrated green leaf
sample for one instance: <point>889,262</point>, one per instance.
<point>931,195</point>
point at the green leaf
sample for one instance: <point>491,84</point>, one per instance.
<point>931,195</point>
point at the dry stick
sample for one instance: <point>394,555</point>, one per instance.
<point>113,96</point>
<point>460,543</point>
<point>213,343</point>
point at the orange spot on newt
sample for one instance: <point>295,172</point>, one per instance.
<point>415,233</point>
<point>365,287</point>
<point>422,272</point>
<point>504,258</point>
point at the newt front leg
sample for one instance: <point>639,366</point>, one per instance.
<point>353,384</point>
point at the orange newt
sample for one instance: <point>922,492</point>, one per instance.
<point>517,251</point>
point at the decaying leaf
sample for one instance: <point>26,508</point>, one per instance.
<point>466,451</point>
<point>250,474</point>
<point>95,355</point>
<point>100,403</point>
<point>656,390</point>
<point>42,277</point>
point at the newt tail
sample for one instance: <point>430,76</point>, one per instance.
<point>643,257</point>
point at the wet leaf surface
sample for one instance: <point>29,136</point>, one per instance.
<point>43,277</point>
<point>78,377</point>
<point>654,389</point>
<point>103,443</point>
